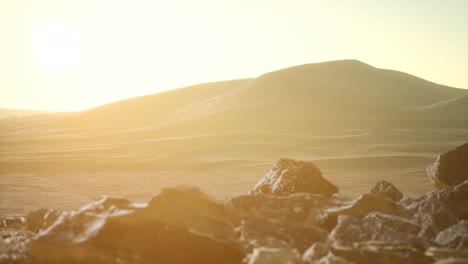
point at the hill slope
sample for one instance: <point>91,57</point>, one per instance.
<point>355,121</point>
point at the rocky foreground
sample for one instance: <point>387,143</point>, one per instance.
<point>293,215</point>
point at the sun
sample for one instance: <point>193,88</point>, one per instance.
<point>56,47</point>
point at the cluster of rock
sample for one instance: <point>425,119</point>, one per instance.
<point>293,215</point>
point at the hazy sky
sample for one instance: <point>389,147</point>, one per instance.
<point>72,55</point>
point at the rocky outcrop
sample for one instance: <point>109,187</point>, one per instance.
<point>387,189</point>
<point>292,176</point>
<point>162,232</point>
<point>455,236</point>
<point>376,227</point>
<point>440,209</point>
<point>272,221</point>
<point>379,238</point>
<point>362,206</point>
<point>274,256</point>
<point>315,252</point>
<point>278,222</point>
<point>450,168</point>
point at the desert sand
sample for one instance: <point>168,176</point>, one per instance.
<point>359,124</point>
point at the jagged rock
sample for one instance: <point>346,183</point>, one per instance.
<point>362,206</point>
<point>273,221</point>
<point>447,253</point>
<point>440,209</point>
<point>450,168</point>
<point>455,236</point>
<point>315,252</point>
<point>39,220</point>
<point>191,208</point>
<point>452,261</point>
<point>332,259</point>
<point>262,231</point>
<point>388,190</point>
<point>289,176</point>
<point>274,256</point>
<point>377,227</point>
<point>407,201</point>
<point>299,207</point>
<point>371,252</point>
<point>15,222</point>
<point>117,231</point>
<point>378,238</point>
<point>14,245</point>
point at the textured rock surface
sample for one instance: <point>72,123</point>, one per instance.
<point>450,168</point>
<point>115,230</point>
<point>332,259</point>
<point>183,225</point>
<point>362,206</point>
<point>455,236</point>
<point>376,227</point>
<point>270,221</point>
<point>448,254</point>
<point>315,252</point>
<point>292,176</point>
<point>387,189</point>
<point>274,256</point>
<point>440,209</point>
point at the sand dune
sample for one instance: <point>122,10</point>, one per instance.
<point>357,122</point>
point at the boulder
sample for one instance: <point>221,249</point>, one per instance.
<point>455,236</point>
<point>452,261</point>
<point>117,231</point>
<point>289,176</point>
<point>448,254</point>
<point>376,227</point>
<point>440,209</point>
<point>39,220</point>
<point>332,259</point>
<point>14,222</point>
<point>378,238</point>
<point>315,252</point>
<point>274,256</point>
<point>450,168</point>
<point>279,221</point>
<point>362,206</point>
<point>387,189</point>
<point>14,245</point>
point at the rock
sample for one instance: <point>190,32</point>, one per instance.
<point>279,221</point>
<point>15,222</point>
<point>299,207</point>
<point>387,189</point>
<point>440,209</point>
<point>452,261</point>
<point>289,176</point>
<point>450,168</point>
<point>447,253</point>
<point>117,231</point>
<point>190,208</point>
<point>376,227</point>
<point>315,252</point>
<point>14,245</point>
<point>39,220</point>
<point>455,236</point>
<point>362,206</point>
<point>274,256</point>
<point>261,231</point>
<point>332,259</point>
<point>371,252</point>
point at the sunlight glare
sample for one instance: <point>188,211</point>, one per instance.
<point>55,47</point>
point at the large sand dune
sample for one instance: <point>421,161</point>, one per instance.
<point>358,123</point>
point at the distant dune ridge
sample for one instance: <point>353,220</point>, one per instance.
<point>352,119</point>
